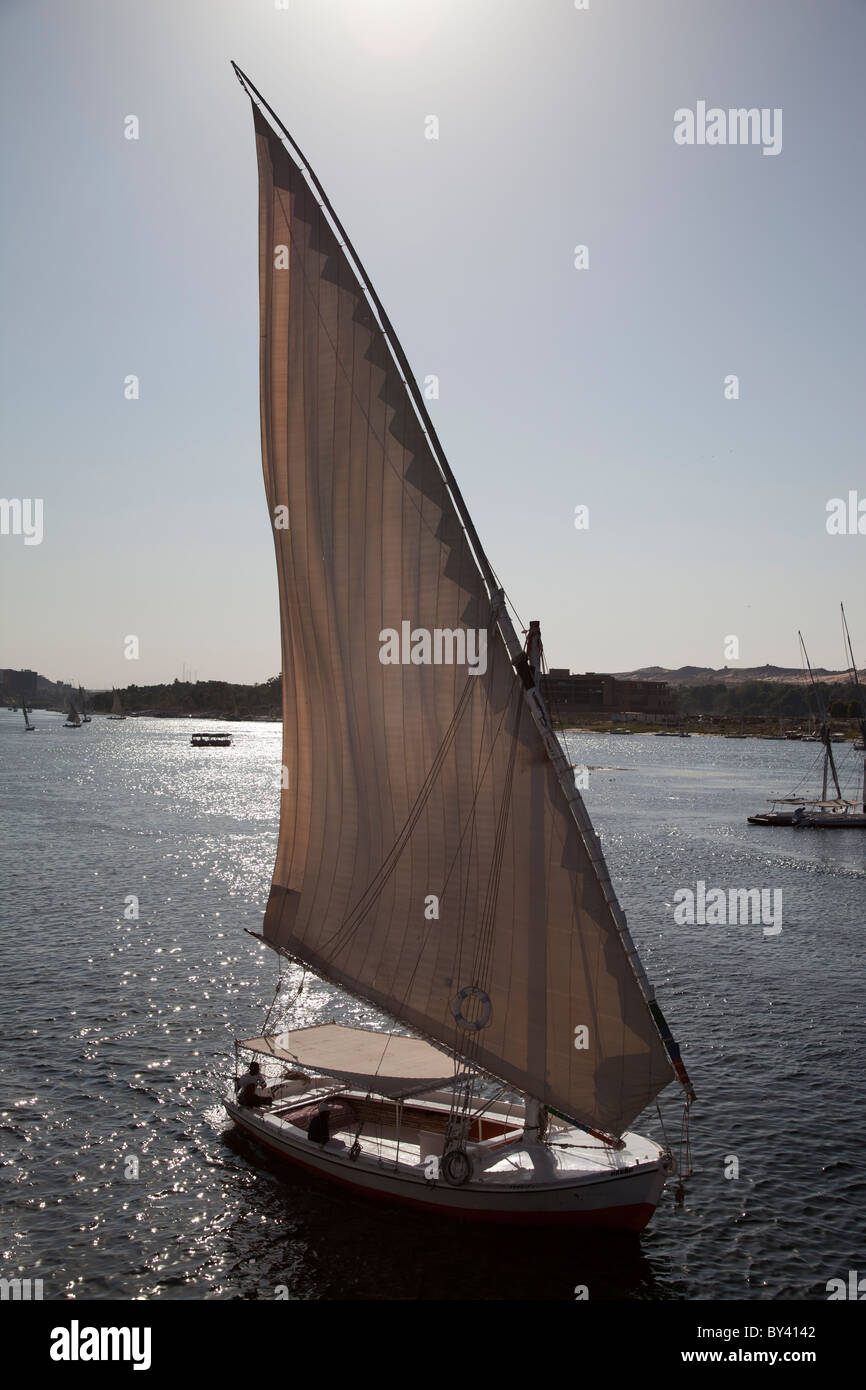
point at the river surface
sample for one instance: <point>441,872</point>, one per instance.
<point>123,1178</point>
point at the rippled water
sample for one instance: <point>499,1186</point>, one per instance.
<point>123,1178</point>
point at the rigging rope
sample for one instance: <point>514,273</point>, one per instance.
<point>291,1002</point>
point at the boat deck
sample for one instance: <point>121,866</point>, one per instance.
<point>502,1158</point>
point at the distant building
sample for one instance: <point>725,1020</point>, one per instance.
<point>18,682</point>
<point>571,694</point>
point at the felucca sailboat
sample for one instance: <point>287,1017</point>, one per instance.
<point>116,707</point>
<point>435,859</point>
<point>825,812</point>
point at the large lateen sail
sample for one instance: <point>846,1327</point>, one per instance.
<point>428,858</point>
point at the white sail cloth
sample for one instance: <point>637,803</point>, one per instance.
<point>426,847</point>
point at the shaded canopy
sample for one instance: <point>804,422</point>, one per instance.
<point>387,1063</point>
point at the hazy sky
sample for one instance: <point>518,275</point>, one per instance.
<point>558,386</point>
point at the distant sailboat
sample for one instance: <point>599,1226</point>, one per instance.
<point>74,719</point>
<point>85,717</point>
<point>824,812</point>
<point>435,859</point>
<point>116,707</point>
<point>28,727</point>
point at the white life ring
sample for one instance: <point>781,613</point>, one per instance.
<point>472,992</point>
<point>457,1167</point>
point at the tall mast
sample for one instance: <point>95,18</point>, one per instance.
<point>829,761</point>
<point>860,700</point>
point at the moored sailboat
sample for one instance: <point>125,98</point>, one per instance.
<point>435,858</point>
<point>116,707</point>
<point>825,812</point>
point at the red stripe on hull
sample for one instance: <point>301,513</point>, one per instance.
<point>624,1218</point>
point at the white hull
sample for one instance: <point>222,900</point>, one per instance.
<point>556,1183</point>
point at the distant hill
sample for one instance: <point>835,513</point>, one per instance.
<point>706,675</point>
<point>760,692</point>
<point>768,692</point>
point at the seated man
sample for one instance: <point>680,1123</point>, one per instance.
<point>251,1087</point>
<point>319,1130</point>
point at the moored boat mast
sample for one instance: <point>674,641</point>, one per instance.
<point>824,735</point>
<point>860,700</point>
